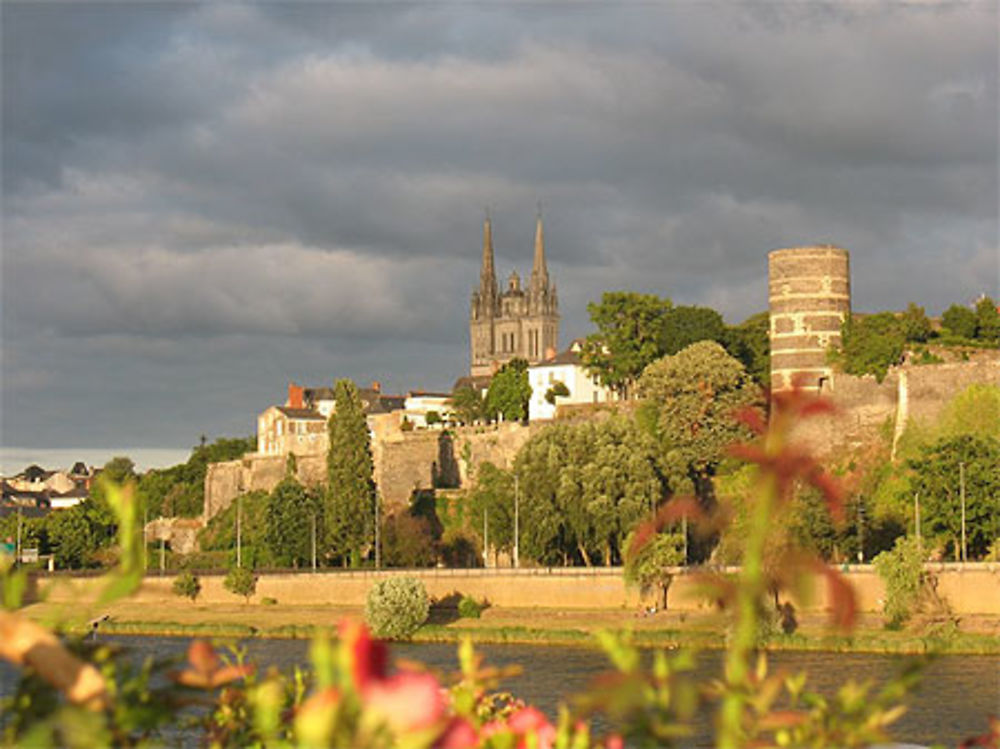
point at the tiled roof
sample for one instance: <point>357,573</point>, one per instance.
<point>306,414</point>
<point>479,382</point>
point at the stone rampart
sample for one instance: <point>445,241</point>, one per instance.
<point>405,462</point>
<point>909,393</point>
<point>967,589</point>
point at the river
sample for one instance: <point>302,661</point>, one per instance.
<point>957,694</point>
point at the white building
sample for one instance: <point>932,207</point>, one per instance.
<point>420,403</point>
<point>564,367</point>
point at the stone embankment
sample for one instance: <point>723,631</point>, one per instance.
<point>965,589</point>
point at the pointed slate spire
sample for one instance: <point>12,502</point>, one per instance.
<point>539,271</point>
<point>487,275</point>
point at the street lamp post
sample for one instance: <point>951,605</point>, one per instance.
<point>314,541</point>
<point>378,538</point>
<point>486,538</point>
<point>517,524</point>
<point>239,535</point>
<point>961,493</point>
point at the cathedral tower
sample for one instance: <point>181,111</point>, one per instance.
<point>515,323</point>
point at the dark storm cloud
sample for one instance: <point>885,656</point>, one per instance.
<point>204,201</point>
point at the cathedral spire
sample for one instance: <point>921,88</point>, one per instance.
<point>539,271</point>
<point>487,275</point>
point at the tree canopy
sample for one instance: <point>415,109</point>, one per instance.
<point>959,321</point>
<point>583,488</point>
<point>468,405</point>
<point>691,402</point>
<point>629,329</point>
<point>936,477</point>
<point>750,342</point>
<point>509,392</point>
<point>349,510</point>
<point>683,326</point>
<point>291,511</point>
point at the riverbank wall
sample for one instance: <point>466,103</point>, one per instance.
<point>965,589</point>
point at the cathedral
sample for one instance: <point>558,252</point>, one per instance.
<point>517,322</point>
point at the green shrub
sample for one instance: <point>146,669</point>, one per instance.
<point>187,585</point>
<point>268,601</point>
<point>902,571</point>
<point>469,608</point>
<point>396,607</point>
<point>241,582</point>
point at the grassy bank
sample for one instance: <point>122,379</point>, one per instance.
<point>562,628</point>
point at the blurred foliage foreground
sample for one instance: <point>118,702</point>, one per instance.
<point>78,693</point>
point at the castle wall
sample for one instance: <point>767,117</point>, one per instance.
<point>404,462</point>
<point>909,393</point>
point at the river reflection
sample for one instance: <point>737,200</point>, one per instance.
<point>956,696</point>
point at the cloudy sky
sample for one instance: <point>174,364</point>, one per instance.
<point>203,202</point>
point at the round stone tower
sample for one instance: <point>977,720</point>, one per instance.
<point>809,295</point>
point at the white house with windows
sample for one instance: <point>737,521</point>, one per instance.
<point>567,368</point>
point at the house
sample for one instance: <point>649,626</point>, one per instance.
<point>300,426</point>
<point>567,368</point>
<point>73,496</point>
<point>420,403</point>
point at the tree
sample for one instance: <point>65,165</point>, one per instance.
<point>467,405</point>
<point>936,476</point>
<point>683,326</point>
<point>583,488</point>
<point>629,327</point>
<point>870,345</point>
<point>241,581</point>
<point>71,536</point>
<point>291,512</point>
<point>915,323</point>
<point>750,342</point>
<point>650,565</point>
<point>901,569</point>
<point>407,541</point>
<point>349,512</point>
<point>180,489</point>
<point>493,497</point>
<point>187,585</point>
<point>960,321</point>
<point>987,320</point>
<point>432,418</point>
<point>692,400</point>
<point>509,392</point>
<point>558,390</point>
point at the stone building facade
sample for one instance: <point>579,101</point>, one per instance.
<point>517,322</point>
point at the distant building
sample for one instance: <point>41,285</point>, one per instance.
<point>515,323</point>
<point>420,403</point>
<point>55,489</point>
<point>300,426</point>
<point>565,367</point>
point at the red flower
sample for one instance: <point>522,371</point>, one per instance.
<point>367,657</point>
<point>407,701</point>
<point>532,721</point>
<point>460,734</point>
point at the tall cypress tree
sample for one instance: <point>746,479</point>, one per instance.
<point>350,498</point>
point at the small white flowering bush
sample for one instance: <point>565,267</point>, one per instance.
<point>396,607</point>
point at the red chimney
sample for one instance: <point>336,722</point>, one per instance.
<point>376,386</point>
<point>294,395</point>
